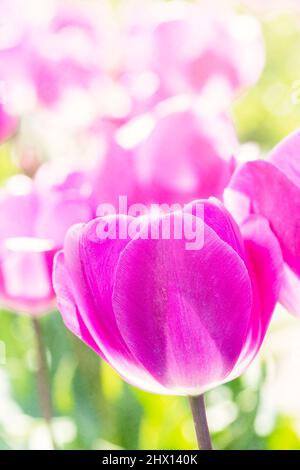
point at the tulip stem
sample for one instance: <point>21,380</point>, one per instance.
<point>200,421</point>
<point>43,380</point>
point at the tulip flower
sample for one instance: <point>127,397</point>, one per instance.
<point>33,225</point>
<point>271,189</point>
<point>114,176</point>
<point>175,154</point>
<point>172,155</point>
<point>186,156</point>
<point>43,56</point>
<point>181,47</point>
<point>169,317</point>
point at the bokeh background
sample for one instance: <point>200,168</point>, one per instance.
<point>93,407</point>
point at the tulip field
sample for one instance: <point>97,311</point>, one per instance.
<point>149,225</point>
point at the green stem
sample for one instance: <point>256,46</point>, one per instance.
<point>200,421</point>
<point>43,380</point>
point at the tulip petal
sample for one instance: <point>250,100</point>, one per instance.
<point>186,155</point>
<point>265,266</point>
<point>90,261</point>
<point>219,219</point>
<point>184,314</point>
<point>274,196</point>
<point>290,291</point>
<point>66,303</point>
<point>286,156</point>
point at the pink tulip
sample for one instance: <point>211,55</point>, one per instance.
<point>45,58</point>
<point>67,56</point>
<point>272,189</point>
<point>231,48</point>
<point>187,155</point>
<point>179,48</point>
<point>172,155</point>
<point>33,225</point>
<point>169,319</point>
<point>114,176</point>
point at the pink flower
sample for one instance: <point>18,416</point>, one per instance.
<point>173,155</point>
<point>33,225</point>
<point>169,319</point>
<point>45,57</point>
<point>179,48</point>
<point>67,56</point>
<point>114,176</point>
<point>272,189</point>
<point>187,155</point>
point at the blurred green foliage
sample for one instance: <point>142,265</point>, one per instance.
<point>93,408</point>
<point>103,412</point>
<point>271,110</point>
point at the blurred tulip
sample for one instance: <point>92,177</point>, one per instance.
<point>69,67</point>
<point>181,46</point>
<point>67,56</point>
<point>114,176</point>
<point>187,155</point>
<point>33,225</point>
<point>272,189</point>
<point>173,155</point>
<point>169,319</point>
<point>43,57</point>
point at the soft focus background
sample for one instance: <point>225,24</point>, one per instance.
<point>93,407</point>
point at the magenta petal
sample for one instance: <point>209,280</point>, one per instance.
<point>66,303</point>
<point>290,291</point>
<point>265,265</point>
<point>91,262</point>
<point>286,157</point>
<point>273,195</point>
<point>114,177</point>
<point>186,156</point>
<point>266,261</point>
<point>184,314</point>
<point>219,219</point>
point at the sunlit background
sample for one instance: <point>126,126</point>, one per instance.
<point>62,122</point>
